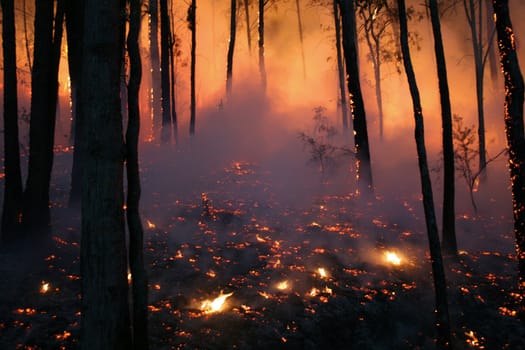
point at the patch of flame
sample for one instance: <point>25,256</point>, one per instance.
<point>215,305</point>
<point>472,340</point>
<point>392,258</point>
<point>44,288</point>
<point>283,285</point>
<point>322,272</point>
<point>151,225</point>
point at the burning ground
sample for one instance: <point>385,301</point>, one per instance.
<point>228,270</point>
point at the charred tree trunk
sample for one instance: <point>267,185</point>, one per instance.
<point>105,307</point>
<point>260,27</point>
<point>362,149</point>
<point>74,28</point>
<point>248,25</point>
<point>514,130</point>
<point>44,86</point>
<point>492,56</point>
<point>340,66</point>
<point>165,38</point>
<point>26,37</point>
<point>449,223</point>
<point>139,284</point>
<point>192,13</point>
<point>438,271</point>
<point>155,101</point>
<point>231,46</point>
<point>13,178</point>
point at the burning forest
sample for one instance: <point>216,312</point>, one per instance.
<point>245,176</point>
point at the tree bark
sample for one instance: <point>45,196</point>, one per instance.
<point>231,47</point>
<point>248,25</point>
<point>13,178</point>
<point>438,272</point>
<point>44,86</point>
<point>74,28</point>
<point>340,65</point>
<point>449,220</point>
<point>105,308</point>
<point>260,27</point>
<point>139,283</point>
<point>514,131</point>
<point>362,149</point>
<point>155,101</point>
<point>193,25</point>
<point>165,39</point>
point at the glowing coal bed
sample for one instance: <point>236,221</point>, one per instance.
<point>230,272</point>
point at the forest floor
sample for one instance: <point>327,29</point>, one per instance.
<point>311,276</point>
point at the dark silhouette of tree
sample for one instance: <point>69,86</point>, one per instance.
<point>192,12</point>
<point>105,320</point>
<point>514,131</point>
<point>362,149</point>
<point>301,40</point>
<point>44,88</point>
<point>340,65</point>
<point>260,29</point>
<point>155,101</point>
<point>231,46</point>
<point>246,4</point>
<point>74,12</point>
<point>165,42</point>
<point>12,205</point>
<point>481,49</point>
<point>438,272</point>
<point>139,283</point>
<point>449,220</point>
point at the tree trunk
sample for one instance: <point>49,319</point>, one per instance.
<point>44,86</point>
<point>105,308</point>
<point>449,224</point>
<point>193,26</point>
<point>165,39</point>
<point>492,57</point>
<point>362,149</point>
<point>514,130</point>
<point>231,47</point>
<point>301,40</point>
<point>262,66</point>
<point>340,66</point>
<point>26,38</point>
<point>474,19</point>
<point>155,102</point>
<point>139,284</point>
<point>74,27</point>
<point>438,272</point>
<point>248,25</point>
<point>13,178</point>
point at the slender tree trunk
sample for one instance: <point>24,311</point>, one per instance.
<point>379,97</point>
<point>231,46</point>
<point>340,66</point>
<point>492,56</point>
<point>44,86</point>
<point>155,101</point>
<point>74,27</point>
<point>362,149</point>
<point>438,272</point>
<point>449,224</point>
<point>139,283</point>
<point>514,130</point>
<point>262,66</point>
<point>173,81</point>
<point>105,308</point>
<point>26,38</point>
<point>474,19</point>
<point>13,178</point>
<point>301,40</point>
<point>193,25</point>
<point>248,25</point>
<point>165,36</point>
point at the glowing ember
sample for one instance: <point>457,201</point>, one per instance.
<point>392,258</point>
<point>151,225</point>
<point>283,285</point>
<point>472,340</point>
<point>314,292</point>
<point>44,288</point>
<point>322,272</point>
<point>215,305</point>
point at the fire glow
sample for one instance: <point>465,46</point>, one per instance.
<point>392,258</point>
<point>215,305</point>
